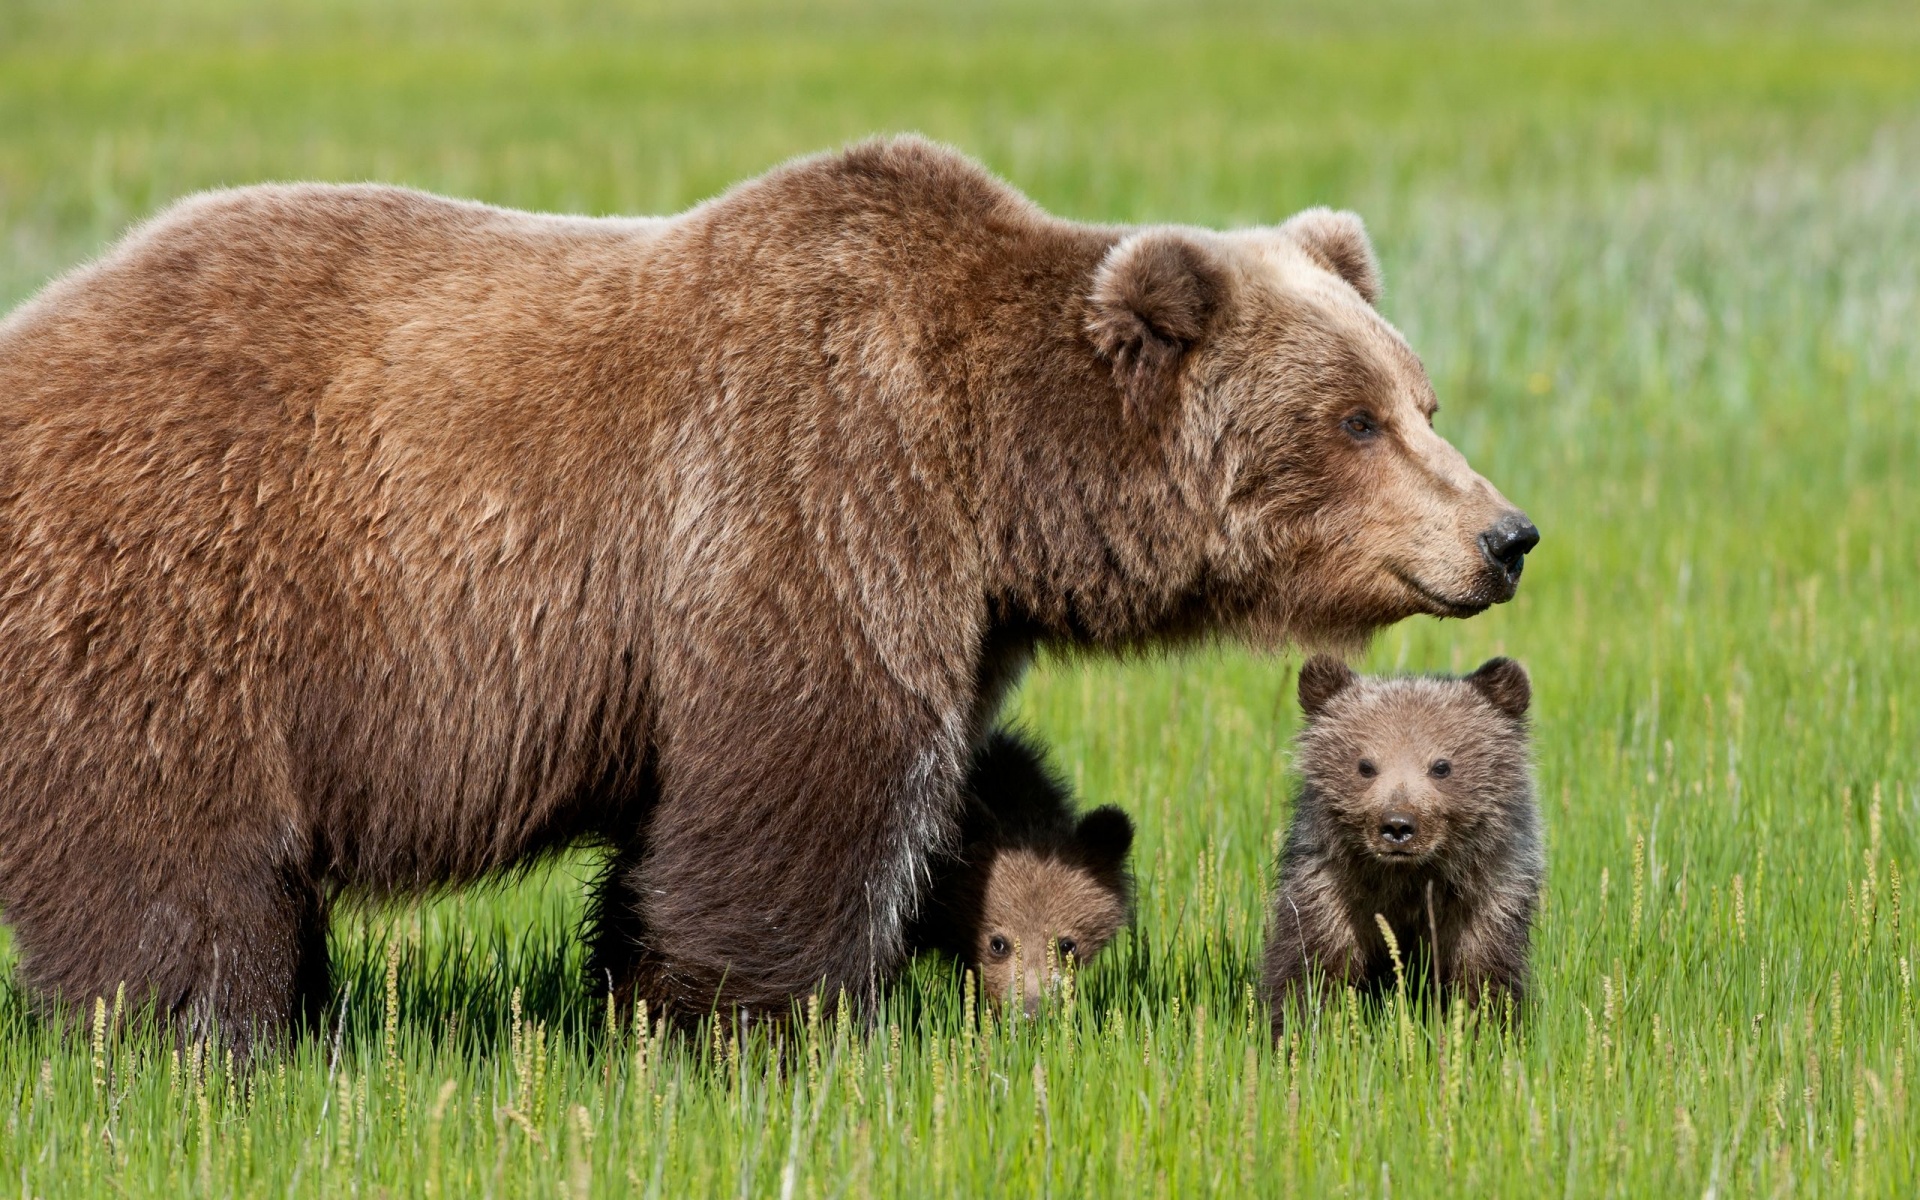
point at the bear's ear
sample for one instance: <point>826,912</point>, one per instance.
<point>1338,241</point>
<point>1105,835</point>
<point>1322,677</point>
<point>1505,684</point>
<point>1153,297</point>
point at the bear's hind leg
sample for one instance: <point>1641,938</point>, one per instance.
<point>242,957</point>
<point>264,969</point>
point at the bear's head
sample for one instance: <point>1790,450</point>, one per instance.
<point>1042,905</point>
<point>1303,425</point>
<point>1407,769</point>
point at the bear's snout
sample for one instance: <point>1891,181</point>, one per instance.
<point>1034,994</point>
<point>1403,826</point>
<point>1401,837</point>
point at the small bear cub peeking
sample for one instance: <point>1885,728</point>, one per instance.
<point>1416,808</point>
<point>1033,884</point>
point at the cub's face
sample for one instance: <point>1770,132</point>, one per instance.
<point>1407,769</point>
<point>1037,912</point>
<point>1342,508</point>
<point>1043,905</point>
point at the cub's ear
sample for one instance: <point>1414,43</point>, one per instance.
<point>1322,677</point>
<point>1153,297</point>
<point>1338,241</point>
<point>1505,684</point>
<point>1104,835</point>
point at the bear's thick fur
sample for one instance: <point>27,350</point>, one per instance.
<point>1416,808</point>
<point>1033,883</point>
<point>357,539</point>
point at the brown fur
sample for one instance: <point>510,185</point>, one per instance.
<point>1033,884</point>
<point>1452,851</point>
<point>357,539</point>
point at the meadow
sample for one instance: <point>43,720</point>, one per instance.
<point>1664,267</point>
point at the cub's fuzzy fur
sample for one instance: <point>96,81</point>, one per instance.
<point>359,540</point>
<point>1033,883</point>
<point>1417,806</point>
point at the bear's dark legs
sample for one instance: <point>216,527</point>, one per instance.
<point>263,969</point>
<point>245,960</point>
<point>1488,958</point>
<point>1482,950</point>
<point>776,865</point>
<point>1312,947</point>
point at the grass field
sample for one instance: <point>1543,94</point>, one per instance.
<point>1664,267</point>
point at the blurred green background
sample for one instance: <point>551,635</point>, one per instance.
<point>1663,262</point>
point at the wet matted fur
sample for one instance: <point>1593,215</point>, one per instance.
<point>1033,882</point>
<point>355,538</point>
<point>1416,807</point>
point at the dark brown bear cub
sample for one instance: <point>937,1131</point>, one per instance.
<point>1417,808</point>
<point>1033,884</point>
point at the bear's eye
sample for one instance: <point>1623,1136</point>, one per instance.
<point>1440,769</point>
<point>998,947</point>
<point>1361,426</point>
<point>1066,947</point>
<point>1367,769</point>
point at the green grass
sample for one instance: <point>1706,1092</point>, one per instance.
<point>1665,268</point>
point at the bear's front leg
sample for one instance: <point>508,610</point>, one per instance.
<point>1488,959</point>
<point>1311,945</point>
<point>816,640</point>
<point>788,851</point>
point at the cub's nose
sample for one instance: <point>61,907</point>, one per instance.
<point>1507,543</point>
<point>1397,829</point>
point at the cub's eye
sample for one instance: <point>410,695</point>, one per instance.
<point>1066,947</point>
<point>1440,769</point>
<point>1367,769</point>
<point>998,947</point>
<point>1361,426</point>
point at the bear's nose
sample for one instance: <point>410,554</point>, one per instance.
<point>1507,543</point>
<point>1397,829</point>
<point>1034,994</point>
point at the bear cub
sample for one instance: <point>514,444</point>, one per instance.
<point>1033,883</point>
<point>1416,808</point>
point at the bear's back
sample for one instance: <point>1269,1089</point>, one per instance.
<point>270,289</point>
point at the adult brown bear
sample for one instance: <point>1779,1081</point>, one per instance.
<point>357,539</point>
